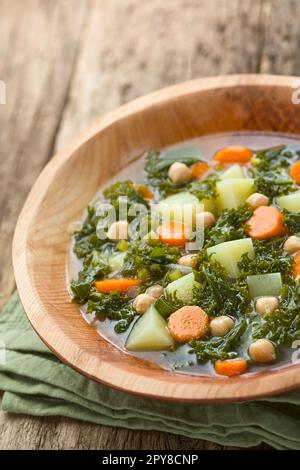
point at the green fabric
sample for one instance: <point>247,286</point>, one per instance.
<point>36,383</point>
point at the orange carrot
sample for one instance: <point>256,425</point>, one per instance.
<point>189,322</point>
<point>266,222</point>
<point>173,234</point>
<point>233,154</point>
<point>296,268</point>
<point>295,172</point>
<point>231,367</point>
<point>110,285</point>
<point>144,191</point>
<point>198,170</point>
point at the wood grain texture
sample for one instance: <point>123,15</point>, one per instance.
<point>225,37</point>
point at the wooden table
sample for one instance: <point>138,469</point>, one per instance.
<point>63,65</point>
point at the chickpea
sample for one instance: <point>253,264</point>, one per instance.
<point>119,230</point>
<point>257,199</point>
<point>220,326</point>
<point>180,173</point>
<point>155,291</point>
<point>188,260</point>
<point>262,351</point>
<point>266,305</point>
<point>142,302</point>
<point>292,245</point>
<point>207,219</point>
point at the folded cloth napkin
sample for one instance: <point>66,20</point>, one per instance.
<point>35,382</point>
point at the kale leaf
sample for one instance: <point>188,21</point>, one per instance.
<point>152,257</point>
<point>204,189</point>
<point>158,178</point>
<point>274,157</point>
<point>270,257</point>
<point>273,183</point>
<point>283,325</point>
<point>158,164</point>
<point>217,293</point>
<point>124,191</point>
<point>231,225</point>
<point>220,348</point>
<point>86,239</point>
<point>292,222</point>
<point>270,171</point>
<point>114,306</point>
<point>94,266</point>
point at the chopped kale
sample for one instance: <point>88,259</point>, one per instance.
<point>204,189</point>
<point>220,348</point>
<point>283,325</point>
<point>94,267</point>
<point>154,258</point>
<point>114,306</point>
<point>273,183</point>
<point>124,191</point>
<point>86,239</point>
<point>270,171</point>
<point>292,222</point>
<point>158,164</point>
<point>274,157</point>
<point>218,294</point>
<point>270,257</point>
<point>231,225</point>
<point>158,178</point>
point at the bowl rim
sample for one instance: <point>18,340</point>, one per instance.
<point>198,389</point>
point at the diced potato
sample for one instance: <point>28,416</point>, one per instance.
<point>290,202</point>
<point>234,171</point>
<point>182,288</point>
<point>228,254</point>
<point>150,333</point>
<point>264,284</point>
<point>116,261</point>
<point>209,204</point>
<point>182,207</point>
<point>233,192</point>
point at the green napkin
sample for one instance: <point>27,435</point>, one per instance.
<point>37,383</point>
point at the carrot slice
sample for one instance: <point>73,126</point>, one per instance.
<point>233,154</point>
<point>189,322</point>
<point>231,367</point>
<point>295,172</point>
<point>144,191</point>
<point>173,234</point>
<point>296,267</point>
<point>266,222</point>
<point>198,170</point>
<point>110,285</point>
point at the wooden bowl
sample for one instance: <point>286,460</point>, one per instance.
<point>69,182</point>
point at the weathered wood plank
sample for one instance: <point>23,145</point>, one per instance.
<point>38,49</point>
<point>143,46</point>
<point>280,38</point>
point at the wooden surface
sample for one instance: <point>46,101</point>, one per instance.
<point>128,47</point>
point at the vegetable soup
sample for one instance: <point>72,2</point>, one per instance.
<point>190,256</point>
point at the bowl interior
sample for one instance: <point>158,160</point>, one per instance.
<point>71,180</point>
